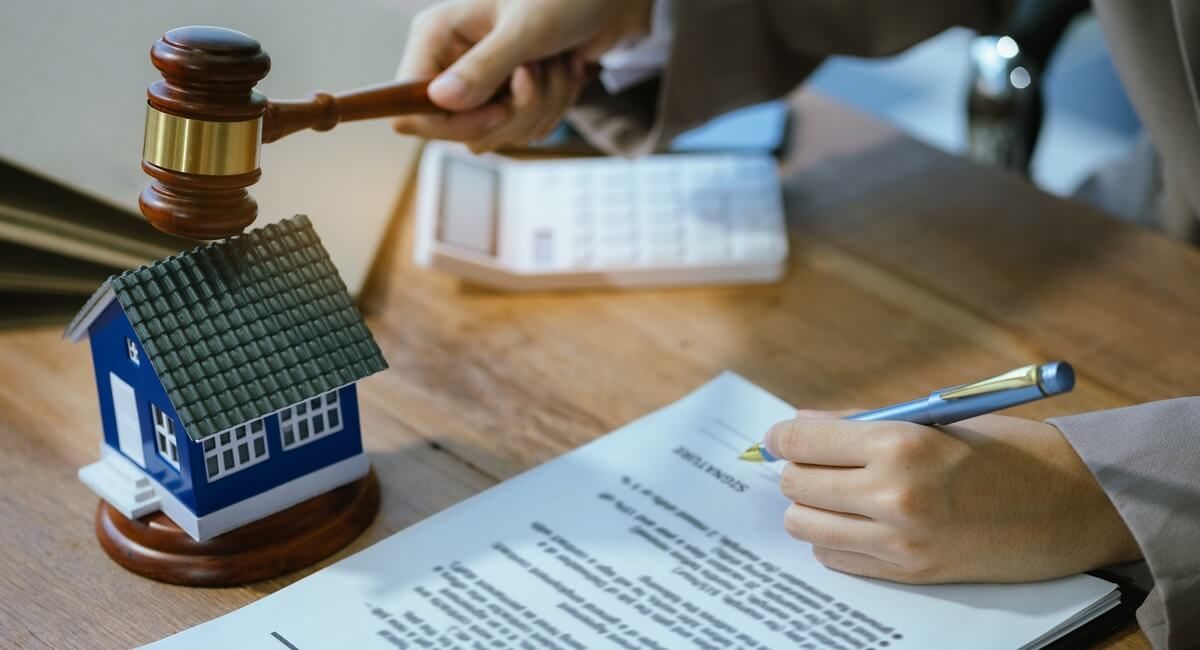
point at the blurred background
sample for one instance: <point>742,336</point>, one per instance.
<point>72,119</point>
<point>75,75</point>
<point>925,91</point>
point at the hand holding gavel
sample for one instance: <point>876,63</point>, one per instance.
<point>205,124</point>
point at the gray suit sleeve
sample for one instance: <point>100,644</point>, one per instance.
<point>727,54</point>
<point>1147,459</point>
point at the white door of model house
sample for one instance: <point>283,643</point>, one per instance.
<point>129,431</point>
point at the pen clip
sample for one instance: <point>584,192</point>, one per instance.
<point>1022,377</point>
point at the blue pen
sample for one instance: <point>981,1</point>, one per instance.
<point>950,405</point>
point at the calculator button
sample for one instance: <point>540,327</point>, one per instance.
<point>657,216</point>
<point>616,227</point>
<point>709,251</point>
<point>757,254</point>
<point>543,247</point>
<point>583,256</point>
<point>616,255</point>
<point>658,211</point>
<point>664,254</point>
<point>706,231</point>
<point>660,196</point>
<point>617,223</point>
<point>668,232</point>
<point>756,245</point>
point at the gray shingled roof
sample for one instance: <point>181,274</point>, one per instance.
<point>243,327</point>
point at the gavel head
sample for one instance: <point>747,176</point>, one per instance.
<point>203,132</point>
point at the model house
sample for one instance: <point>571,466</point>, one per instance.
<point>226,378</point>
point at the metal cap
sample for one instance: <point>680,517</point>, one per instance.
<point>1056,377</point>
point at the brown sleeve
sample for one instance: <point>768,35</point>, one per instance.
<point>726,54</point>
<point>1147,459</point>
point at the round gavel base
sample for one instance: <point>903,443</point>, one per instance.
<point>308,532</point>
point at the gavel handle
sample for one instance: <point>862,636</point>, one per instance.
<point>324,111</point>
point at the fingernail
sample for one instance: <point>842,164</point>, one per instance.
<point>448,86</point>
<point>768,440</point>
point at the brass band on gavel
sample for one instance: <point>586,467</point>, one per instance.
<point>194,146</point>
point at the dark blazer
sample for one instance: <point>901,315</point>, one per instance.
<point>731,53</point>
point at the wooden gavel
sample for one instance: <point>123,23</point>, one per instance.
<point>205,126</point>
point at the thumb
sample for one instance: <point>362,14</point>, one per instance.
<point>478,74</point>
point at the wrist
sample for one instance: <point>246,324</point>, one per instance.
<point>1112,540</point>
<point>1118,545</point>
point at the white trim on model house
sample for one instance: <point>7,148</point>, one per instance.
<point>125,413</point>
<point>164,436</point>
<point>208,526</point>
<point>239,447</point>
<point>235,449</point>
<point>131,351</point>
<point>311,419</point>
<point>263,504</point>
<point>122,484</point>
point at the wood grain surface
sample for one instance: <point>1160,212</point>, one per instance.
<point>910,270</point>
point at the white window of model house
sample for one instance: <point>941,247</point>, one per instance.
<point>233,450</point>
<point>131,349</point>
<point>164,436</point>
<point>314,418</point>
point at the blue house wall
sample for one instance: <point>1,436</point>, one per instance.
<point>190,485</point>
<point>107,335</point>
<point>281,466</point>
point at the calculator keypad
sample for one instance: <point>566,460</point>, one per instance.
<point>658,211</point>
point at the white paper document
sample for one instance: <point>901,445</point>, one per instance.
<point>654,536</point>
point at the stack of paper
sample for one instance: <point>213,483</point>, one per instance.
<point>654,536</point>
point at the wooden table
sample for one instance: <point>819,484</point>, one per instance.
<point>910,269</point>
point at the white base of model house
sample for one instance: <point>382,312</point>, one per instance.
<point>134,494</point>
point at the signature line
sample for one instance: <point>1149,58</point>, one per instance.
<point>764,469</point>
<point>285,642</point>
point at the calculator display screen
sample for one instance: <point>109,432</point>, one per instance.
<point>470,196</point>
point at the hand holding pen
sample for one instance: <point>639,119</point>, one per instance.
<point>949,405</point>
<point>993,498</point>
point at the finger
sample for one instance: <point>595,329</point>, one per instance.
<point>862,564</point>
<point>525,105</point>
<point>559,91</point>
<point>461,127</point>
<point>480,71</point>
<point>833,529</point>
<point>576,79</point>
<point>555,84</point>
<point>432,45</point>
<point>843,443</point>
<point>838,489</point>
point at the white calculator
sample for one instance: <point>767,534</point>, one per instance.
<point>668,220</point>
